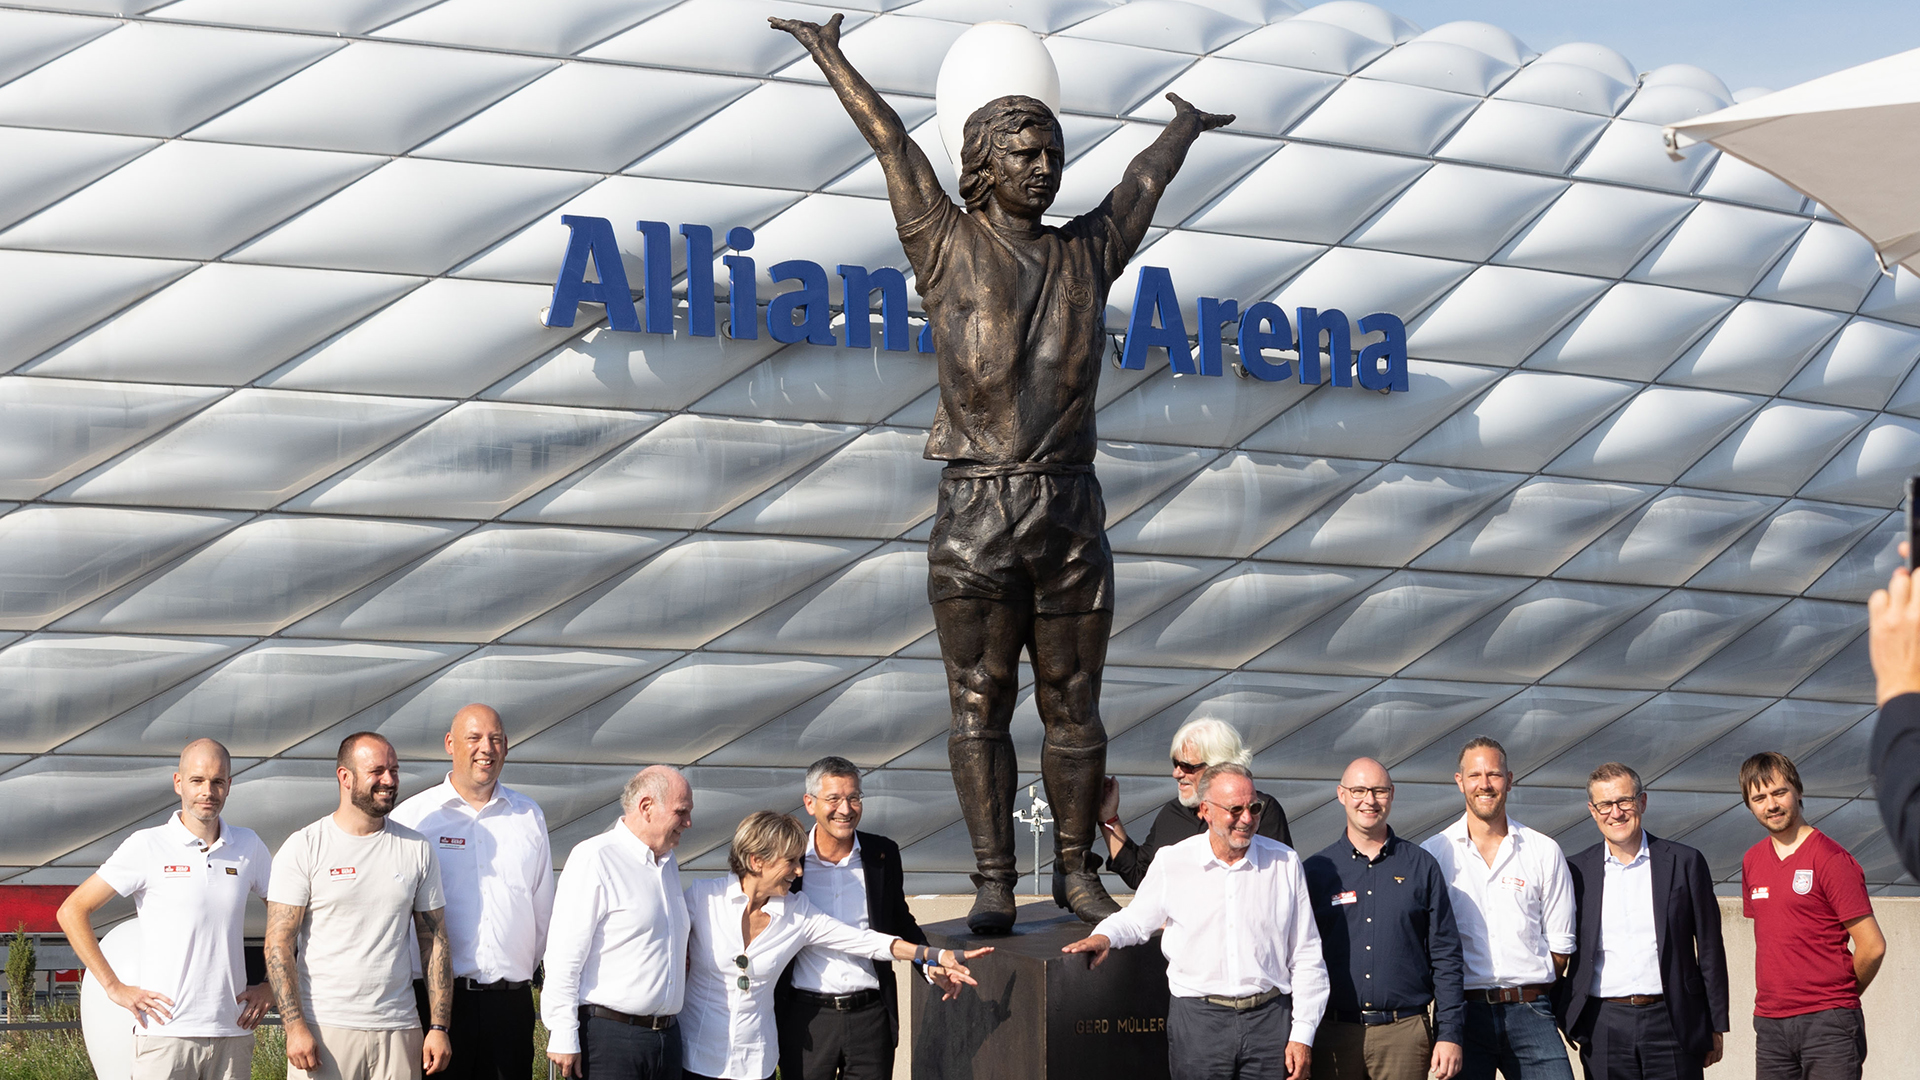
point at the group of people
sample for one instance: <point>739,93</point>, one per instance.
<point>403,937</point>
<point>1485,947</point>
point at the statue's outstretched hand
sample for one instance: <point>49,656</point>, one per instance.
<point>1207,121</point>
<point>812,35</point>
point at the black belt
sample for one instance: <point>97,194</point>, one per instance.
<point>859,999</point>
<point>464,983</point>
<point>1637,999</point>
<point>1375,1017</point>
<point>657,1023</point>
<point>1509,995</point>
<point>1251,1001</point>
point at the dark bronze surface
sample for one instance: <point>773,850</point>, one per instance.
<point>1039,1013</point>
<point>1018,560</point>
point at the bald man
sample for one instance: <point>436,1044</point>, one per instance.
<point>190,879</point>
<point>1386,926</point>
<point>497,869</point>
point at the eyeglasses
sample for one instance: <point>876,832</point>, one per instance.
<point>837,801</point>
<point>743,981</point>
<point>1615,806</point>
<point>1378,794</point>
<point>1188,766</point>
<point>1251,809</point>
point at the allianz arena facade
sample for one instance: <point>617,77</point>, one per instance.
<point>289,452</point>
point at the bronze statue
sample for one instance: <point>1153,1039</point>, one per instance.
<point>1018,557</point>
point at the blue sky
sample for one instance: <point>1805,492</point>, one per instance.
<point>1770,43</point>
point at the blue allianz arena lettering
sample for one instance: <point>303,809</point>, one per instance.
<point>806,313</point>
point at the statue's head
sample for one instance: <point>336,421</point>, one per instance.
<point>1012,152</point>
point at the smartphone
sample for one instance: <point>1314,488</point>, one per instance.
<point>1913,520</point>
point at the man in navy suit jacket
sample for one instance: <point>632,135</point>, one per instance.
<point>836,1014</point>
<point>1645,997</point>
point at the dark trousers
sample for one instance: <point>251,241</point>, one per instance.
<point>1827,1045</point>
<point>611,1050</point>
<point>1636,1042</point>
<point>1521,1039</point>
<point>491,1033</point>
<point>1212,1042</point>
<point>818,1043</point>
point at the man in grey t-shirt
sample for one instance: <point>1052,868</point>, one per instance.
<point>352,887</point>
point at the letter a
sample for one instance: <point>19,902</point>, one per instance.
<point>592,237</point>
<point>1155,296</point>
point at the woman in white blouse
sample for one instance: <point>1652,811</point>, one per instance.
<point>745,927</point>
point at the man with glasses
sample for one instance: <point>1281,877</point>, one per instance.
<point>1386,928</point>
<point>1647,986</point>
<point>838,1014</point>
<point>1807,897</point>
<point>1513,905</point>
<point>1243,952</point>
<point>617,946</point>
<point>1198,744</point>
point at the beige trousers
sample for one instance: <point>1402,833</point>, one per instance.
<point>170,1057</point>
<point>355,1054</point>
<point>1401,1050</point>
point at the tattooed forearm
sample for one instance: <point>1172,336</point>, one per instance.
<point>436,956</point>
<point>283,921</point>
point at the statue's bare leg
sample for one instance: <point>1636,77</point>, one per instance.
<point>1069,652</point>
<point>981,642</point>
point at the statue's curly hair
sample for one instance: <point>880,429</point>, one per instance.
<point>988,129</point>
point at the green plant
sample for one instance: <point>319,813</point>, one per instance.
<point>269,1052</point>
<point>20,963</point>
<point>47,1055</point>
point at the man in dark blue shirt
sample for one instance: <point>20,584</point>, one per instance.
<point>1386,928</point>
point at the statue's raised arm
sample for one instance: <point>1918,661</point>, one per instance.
<point>912,185</point>
<point>1137,194</point>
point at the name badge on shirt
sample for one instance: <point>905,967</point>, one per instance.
<point>1759,893</point>
<point>176,871</point>
<point>341,873</point>
<point>454,842</point>
<point>1514,883</point>
<point>1803,881</point>
<point>1348,897</point>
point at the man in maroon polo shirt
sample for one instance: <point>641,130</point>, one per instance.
<point>1807,898</point>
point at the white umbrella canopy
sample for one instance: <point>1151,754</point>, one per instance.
<point>1850,140</point>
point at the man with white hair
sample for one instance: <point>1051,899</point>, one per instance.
<point>838,1014</point>
<point>617,945</point>
<point>1196,746</point>
<point>1244,968</point>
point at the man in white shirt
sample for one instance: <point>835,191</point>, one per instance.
<point>617,947</point>
<point>1513,906</point>
<point>497,871</point>
<point>351,888</point>
<point>1248,982</point>
<point>190,879</point>
<point>837,1014</point>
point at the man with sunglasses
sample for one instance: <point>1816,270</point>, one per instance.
<point>1647,987</point>
<point>1386,928</point>
<point>1513,905</point>
<point>838,1014</point>
<point>1198,744</point>
<point>1243,952</point>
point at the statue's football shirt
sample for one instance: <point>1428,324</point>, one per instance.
<point>1018,330</point>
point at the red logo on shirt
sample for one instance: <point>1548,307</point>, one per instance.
<point>1759,893</point>
<point>176,871</point>
<point>1345,898</point>
<point>453,841</point>
<point>340,872</point>
<point>1514,883</point>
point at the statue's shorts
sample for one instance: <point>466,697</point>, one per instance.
<point>1029,532</point>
